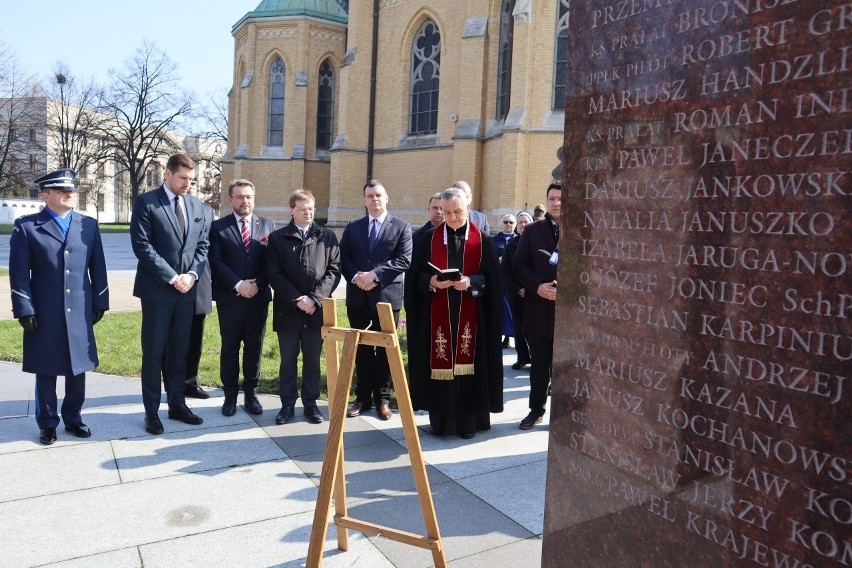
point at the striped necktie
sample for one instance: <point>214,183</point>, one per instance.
<point>246,235</point>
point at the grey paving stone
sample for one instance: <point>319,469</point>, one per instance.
<point>501,447</point>
<point>520,554</point>
<point>517,492</point>
<point>124,558</point>
<point>299,437</point>
<point>197,450</point>
<point>130,514</point>
<point>15,408</point>
<point>372,471</point>
<point>71,467</point>
<point>468,525</point>
<point>280,542</point>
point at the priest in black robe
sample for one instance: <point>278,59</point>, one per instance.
<point>455,356</point>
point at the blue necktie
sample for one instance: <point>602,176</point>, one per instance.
<point>373,232</point>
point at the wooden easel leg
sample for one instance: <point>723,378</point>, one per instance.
<point>332,463</point>
<point>412,439</point>
<point>332,370</point>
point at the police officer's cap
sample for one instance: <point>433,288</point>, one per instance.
<point>60,179</point>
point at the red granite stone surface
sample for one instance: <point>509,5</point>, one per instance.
<point>701,404</point>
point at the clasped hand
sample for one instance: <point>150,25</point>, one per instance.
<point>365,280</point>
<point>547,290</point>
<point>305,304</point>
<point>183,283</point>
<point>461,285</point>
<point>248,288</point>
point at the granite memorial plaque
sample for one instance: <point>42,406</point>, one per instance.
<point>701,407</point>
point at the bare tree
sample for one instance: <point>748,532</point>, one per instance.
<point>76,120</point>
<point>207,147</point>
<point>22,109</point>
<point>145,101</point>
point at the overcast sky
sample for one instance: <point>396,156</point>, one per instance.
<point>92,36</point>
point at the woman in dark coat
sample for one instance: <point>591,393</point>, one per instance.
<point>515,293</point>
<point>455,358</point>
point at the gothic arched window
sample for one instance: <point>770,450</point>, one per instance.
<point>425,80</point>
<point>504,59</point>
<point>325,105</point>
<point>276,104</point>
<point>560,57</point>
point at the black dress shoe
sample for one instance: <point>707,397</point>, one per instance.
<point>185,415</point>
<point>313,414</point>
<point>357,408</point>
<point>252,405</point>
<point>531,420</point>
<point>505,344</point>
<point>80,430</point>
<point>284,415</point>
<point>153,424</point>
<point>229,408</point>
<point>518,365</point>
<point>196,393</point>
<point>47,436</point>
<point>467,435</point>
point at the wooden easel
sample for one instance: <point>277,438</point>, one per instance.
<point>332,477</point>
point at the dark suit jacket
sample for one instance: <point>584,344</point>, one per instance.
<point>532,269</point>
<point>162,253</point>
<point>61,280</point>
<point>231,263</point>
<point>390,258</point>
<point>204,292</point>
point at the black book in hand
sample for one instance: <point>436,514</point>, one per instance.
<point>451,274</point>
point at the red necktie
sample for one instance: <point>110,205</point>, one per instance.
<point>372,238</point>
<point>246,234</point>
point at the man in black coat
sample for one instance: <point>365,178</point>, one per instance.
<point>454,356</point>
<point>241,290</point>
<point>375,252</point>
<point>537,275</point>
<point>58,279</point>
<point>303,261</point>
<point>169,236</point>
<point>436,217</point>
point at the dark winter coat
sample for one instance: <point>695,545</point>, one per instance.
<point>61,280</point>
<point>296,267</point>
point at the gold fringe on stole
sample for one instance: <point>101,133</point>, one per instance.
<point>442,374</point>
<point>464,369</point>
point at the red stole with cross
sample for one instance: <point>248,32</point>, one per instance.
<point>445,362</point>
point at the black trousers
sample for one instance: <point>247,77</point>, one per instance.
<point>308,341</point>
<point>371,363</point>
<point>164,325</point>
<point>241,323</point>
<point>193,355</point>
<point>46,403</point>
<point>541,350</point>
<point>521,345</point>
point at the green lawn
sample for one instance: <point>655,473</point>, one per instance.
<point>120,351</point>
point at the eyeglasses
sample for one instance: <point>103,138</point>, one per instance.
<point>508,222</point>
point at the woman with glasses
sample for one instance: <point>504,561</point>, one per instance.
<point>507,226</point>
<point>515,292</point>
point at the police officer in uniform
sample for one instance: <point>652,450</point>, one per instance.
<point>59,291</point>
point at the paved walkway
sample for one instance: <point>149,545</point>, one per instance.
<point>241,491</point>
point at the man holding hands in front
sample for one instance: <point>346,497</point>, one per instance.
<point>169,236</point>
